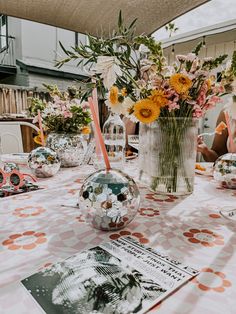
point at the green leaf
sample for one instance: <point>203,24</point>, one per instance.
<point>197,49</point>
<point>120,20</point>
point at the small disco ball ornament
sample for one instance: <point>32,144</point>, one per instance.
<point>44,162</point>
<point>109,199</point>
<point>224,170</point>
<point>9,166</point>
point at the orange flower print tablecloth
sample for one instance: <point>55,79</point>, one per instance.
<point>42,227</point>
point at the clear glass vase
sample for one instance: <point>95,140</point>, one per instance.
<point>70,147</point>
<point>167,155</point>
<point>114,138</point>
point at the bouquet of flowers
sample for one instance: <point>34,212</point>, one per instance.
<point>63,113</point>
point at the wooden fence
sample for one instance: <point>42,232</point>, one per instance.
<point>15,100</point>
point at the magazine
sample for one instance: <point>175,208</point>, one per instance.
<point>118,277</point>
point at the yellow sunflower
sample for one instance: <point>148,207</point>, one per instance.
<point>180,82</point>
<point>159,98</point>
<point>146,111</point>
<point>113,95</point>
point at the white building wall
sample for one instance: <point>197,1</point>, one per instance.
<point>38,45</point>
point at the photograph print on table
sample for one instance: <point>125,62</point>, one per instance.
<point>118,277</point>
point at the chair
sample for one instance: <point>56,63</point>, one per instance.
<point>10,136</point>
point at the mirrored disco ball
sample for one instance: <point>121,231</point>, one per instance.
<point>225,170</point>
<point>44,162</point>
<point>109,199</point>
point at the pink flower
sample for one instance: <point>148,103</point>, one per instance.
<point>181,58</point>
<point>218,89</point>
<point>191,56</point>
<point>191,76</point>
<point>201,98</point>
<point>85,105</point>
<point>155,82</point>
<point>198,112</point>
<point>209,105</point>
<point>173,106</point>
<point>67,114</point>
<point>212,102</point>
<point>215,99</point>
<point>194,66</point>
<point>176,99</point>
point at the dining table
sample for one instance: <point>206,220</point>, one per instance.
<point>42,227</point>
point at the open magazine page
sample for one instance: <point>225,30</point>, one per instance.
<point>118,277</point>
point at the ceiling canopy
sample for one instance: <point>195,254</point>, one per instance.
<point>96,16</point>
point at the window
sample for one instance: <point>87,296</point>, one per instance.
<point>3,32</point>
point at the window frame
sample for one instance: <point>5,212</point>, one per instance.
<point>76,39</point>
<point>3,48</point>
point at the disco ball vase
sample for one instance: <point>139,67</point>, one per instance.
<point>44,162</point>
<point>109,199</point>
<point>224,170</point>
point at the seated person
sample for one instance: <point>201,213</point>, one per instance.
<point>221,143</point>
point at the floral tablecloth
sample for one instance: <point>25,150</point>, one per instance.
<point>42,227</point>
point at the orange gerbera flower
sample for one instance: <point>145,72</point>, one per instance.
<point>86,130</point>
<point>146,111</point>
<point>159,98</point>
<point>37,139</point>
<point>180,82</point>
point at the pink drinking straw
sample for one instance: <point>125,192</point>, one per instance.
<point>231,142</point>
<point>95,102</point>
<point>99,133</point>
<point>41,128</point>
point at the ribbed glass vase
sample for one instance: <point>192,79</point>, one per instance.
<point>167,155</point>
